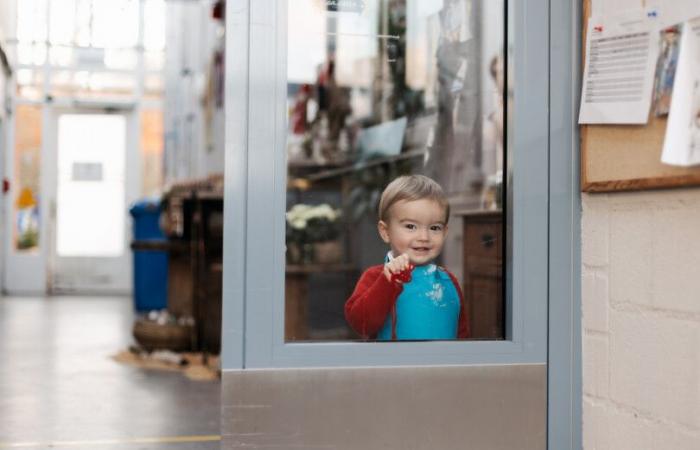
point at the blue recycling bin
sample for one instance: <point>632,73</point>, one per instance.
<point>150,248</point>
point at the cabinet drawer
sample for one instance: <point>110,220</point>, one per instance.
<point>483,241</point>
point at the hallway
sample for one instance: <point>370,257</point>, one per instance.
<point>59,388</point>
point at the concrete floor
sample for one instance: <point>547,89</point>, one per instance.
<point>60,389</point>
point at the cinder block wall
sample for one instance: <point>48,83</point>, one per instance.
<point>641,320</point>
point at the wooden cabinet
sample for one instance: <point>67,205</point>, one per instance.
<point>296,323</point>
<point>483,273</point>
<point>193,222</point>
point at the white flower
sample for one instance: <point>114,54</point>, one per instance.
<point>297,212</point>
<point>299,224</point>
<point>300,214</point>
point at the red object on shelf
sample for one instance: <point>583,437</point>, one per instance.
<point>5,185</point>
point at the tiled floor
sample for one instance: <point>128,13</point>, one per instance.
<point>58,384</point>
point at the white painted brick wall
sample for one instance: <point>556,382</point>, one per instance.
<point>641,320</point>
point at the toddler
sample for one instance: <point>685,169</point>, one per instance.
<point>409,297</point>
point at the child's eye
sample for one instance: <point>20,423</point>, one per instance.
<point>410,226</point>
<point>436,228</point>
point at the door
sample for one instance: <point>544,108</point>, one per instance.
<point>92,169</point>
<point>326,96</point>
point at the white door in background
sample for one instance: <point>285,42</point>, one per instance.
<point>95,167</point>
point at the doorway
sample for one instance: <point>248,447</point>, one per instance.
<point>93,169</point>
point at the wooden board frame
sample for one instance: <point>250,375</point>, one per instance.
<point>627,157</point>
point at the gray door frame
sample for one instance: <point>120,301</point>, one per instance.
<point>249,195</point>
<point>564,343</point>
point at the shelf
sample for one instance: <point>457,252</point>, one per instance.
<point>363,164</point>
<point>303,269</point>
<point>478,212</point>
<point>311,164</point>
<point>163,245</point>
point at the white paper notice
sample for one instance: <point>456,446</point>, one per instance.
<point>682,142</point>
<point>620,61</point>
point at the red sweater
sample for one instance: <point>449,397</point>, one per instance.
<point>375,297</point>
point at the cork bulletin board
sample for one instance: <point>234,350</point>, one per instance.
<point>628,157</point>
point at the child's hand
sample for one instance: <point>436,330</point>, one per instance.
<point>399,269</point>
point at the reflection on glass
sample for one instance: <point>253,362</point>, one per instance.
<point>378,89</point>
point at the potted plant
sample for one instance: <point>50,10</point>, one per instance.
<point>312,234</point>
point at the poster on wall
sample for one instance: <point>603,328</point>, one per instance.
<point>670,39</point>
<point>26,221</point>
<point>682,141</point>
<point>621,55</point>
<point>25,214</point>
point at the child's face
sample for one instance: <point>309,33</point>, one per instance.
<point>416,228</point>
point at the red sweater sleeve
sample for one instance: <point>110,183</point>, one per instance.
<point>372,301</point>
<point>463,331</point>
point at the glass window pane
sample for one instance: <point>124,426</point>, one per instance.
<point>31,20</point>
<point>24,53</point>
<point>376,90</point>
<point>115,23</point>
<point>25,77</point>
<point>31,54</point>
<point>29,92</point>
<point>154,84</point>
<point>91,208</point>
<point>112,82</point>
<point>92,84</point>
<point>26,183</point>
<point>154,25</point>
<point>152,151</point>
<point>61,79</point>
<point>306,48</point>
<point>83,18</point>
<point>62,56</point>
<point>125,59</point>
<point>154,61</point>
<point>62,22</point>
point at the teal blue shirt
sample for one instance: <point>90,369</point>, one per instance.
<point>427,308</point>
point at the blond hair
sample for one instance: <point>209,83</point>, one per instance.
<point>410,188</point>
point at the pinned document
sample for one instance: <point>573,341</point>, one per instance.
<point>621,55</point>
<point>682,141</point>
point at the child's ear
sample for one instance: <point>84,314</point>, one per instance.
<point>383,231</point>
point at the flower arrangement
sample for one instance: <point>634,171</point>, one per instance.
<point>309,225</point>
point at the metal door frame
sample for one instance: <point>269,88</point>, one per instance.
<point>564,342</point>
<point>548,69</point>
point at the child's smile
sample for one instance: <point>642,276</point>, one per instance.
<point>416,228</point>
